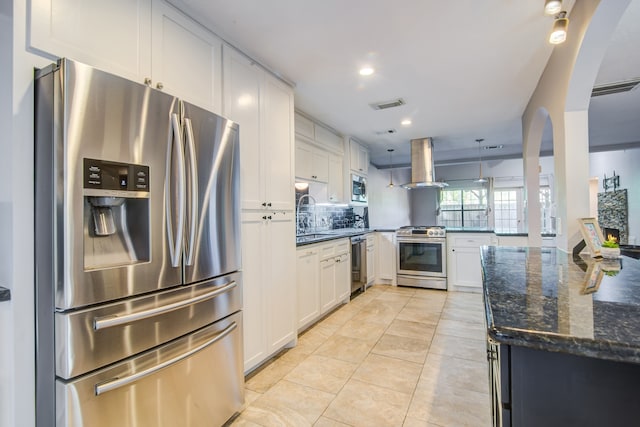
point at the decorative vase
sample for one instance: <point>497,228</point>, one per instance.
<point>610,252</point>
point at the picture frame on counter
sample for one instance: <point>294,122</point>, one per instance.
<point>592,235</point>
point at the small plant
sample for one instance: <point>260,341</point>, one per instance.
<point>611,242</point>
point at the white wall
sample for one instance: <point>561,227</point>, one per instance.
<point>388,207</point>
<point>491,168</point>
<point>624,163</point>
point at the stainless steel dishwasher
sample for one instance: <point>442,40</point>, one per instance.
<point>358,263</point>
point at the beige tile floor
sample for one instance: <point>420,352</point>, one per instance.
<point>391,357</point>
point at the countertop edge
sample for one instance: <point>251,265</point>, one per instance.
<point>334,236</point>
<point>560,344</point>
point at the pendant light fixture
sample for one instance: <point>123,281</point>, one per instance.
<point>551,7</point>
<point>390,150</point>
<point>559,31</point>
<point>480,179</point>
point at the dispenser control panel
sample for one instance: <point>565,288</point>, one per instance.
<point>104,175</point>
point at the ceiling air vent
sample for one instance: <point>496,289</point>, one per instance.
<point>617,87</point>
<point>385,132</point>
<point>387,104</point>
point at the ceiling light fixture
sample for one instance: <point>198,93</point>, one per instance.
<point>551,7</point>
<point>480,179</point>
<point>406,122</point>
<point>559,30</point>
<point>390,150</point>
<point>366,71</point>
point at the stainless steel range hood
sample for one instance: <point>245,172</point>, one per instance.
<point>422,169</point>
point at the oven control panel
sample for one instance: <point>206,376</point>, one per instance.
<point>433,231</point>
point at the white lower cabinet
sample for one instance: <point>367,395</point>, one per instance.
<point>371,259</point>
<point>269,284</point>
<point>308,284</point>
<point>323,279</point>
<point>386,257</point>
<point>464,272</point>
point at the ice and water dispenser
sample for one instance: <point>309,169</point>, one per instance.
<point>116,214</point>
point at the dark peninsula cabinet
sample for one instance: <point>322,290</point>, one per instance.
<point>563,338</point>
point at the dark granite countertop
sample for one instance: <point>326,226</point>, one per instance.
<point>324,236</point>
<point>5,294</point>
<point>546,299</point>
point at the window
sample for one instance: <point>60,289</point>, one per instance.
<point>464,207</point>
<point>507,210</point>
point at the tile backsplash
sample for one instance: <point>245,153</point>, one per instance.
<point>313,218</point>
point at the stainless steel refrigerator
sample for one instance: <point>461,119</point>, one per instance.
<point>138,283</point>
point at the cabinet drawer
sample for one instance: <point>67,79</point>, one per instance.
<point>327,251</point>
<point>471,242</point>
<point>343,246</point>
<point>371,240</point>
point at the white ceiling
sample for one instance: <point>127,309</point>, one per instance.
<point>466,69</point>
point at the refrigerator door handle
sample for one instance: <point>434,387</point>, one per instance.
<point>175,139</point>
<point>193,173</point>
<point>120,382</point>
<point>116,320</point>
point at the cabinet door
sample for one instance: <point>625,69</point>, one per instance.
<point>320,170</point>
<point>277,141</point>
<point>280,280</point>
<point>327,284</point>
<point>371,267</point>
<point>336,181</point>
<point>343,277</point>
<point>242,105</point>
<point>465,269</point>
<point>304,160</point>
<point>386,256</point>
<point>114,36</point>
<point>187,58</point>
<point>307,285</point>
<point>363,160</point>
<point>253,289</point>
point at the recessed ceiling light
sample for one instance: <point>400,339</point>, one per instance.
<point>405,122</point>
<point>366,71</point>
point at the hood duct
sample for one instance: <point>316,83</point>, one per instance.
<point>422,169</point>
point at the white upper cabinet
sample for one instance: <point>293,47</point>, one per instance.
<point>359,158</point>
<point>336,179</point>
<point>263,107</point>
<point>147,41</point>
<point>278,141</point>
<point>305,126</point>
<point>311,163</point>
<point>112,35</point>
<point>186,58</point>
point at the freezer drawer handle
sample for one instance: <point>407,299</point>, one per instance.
<point>115,320</point>
<point>120,382</point>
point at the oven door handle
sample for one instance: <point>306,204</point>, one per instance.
<point>120,382</point>
<point>116,320</point>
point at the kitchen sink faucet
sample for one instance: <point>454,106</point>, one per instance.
<point>303,226</point>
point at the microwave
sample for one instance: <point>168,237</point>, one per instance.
<point>358,188</point>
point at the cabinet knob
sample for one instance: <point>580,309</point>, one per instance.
<point>264,203</point>
<point>160,85</point>
<point>264,217</point>
<point>147,81</point>
<point>269,217</point>
<point>269,204</point>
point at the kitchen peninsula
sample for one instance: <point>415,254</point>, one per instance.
<point>563,337</point>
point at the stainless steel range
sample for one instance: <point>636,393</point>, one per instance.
<point>422,257</point>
